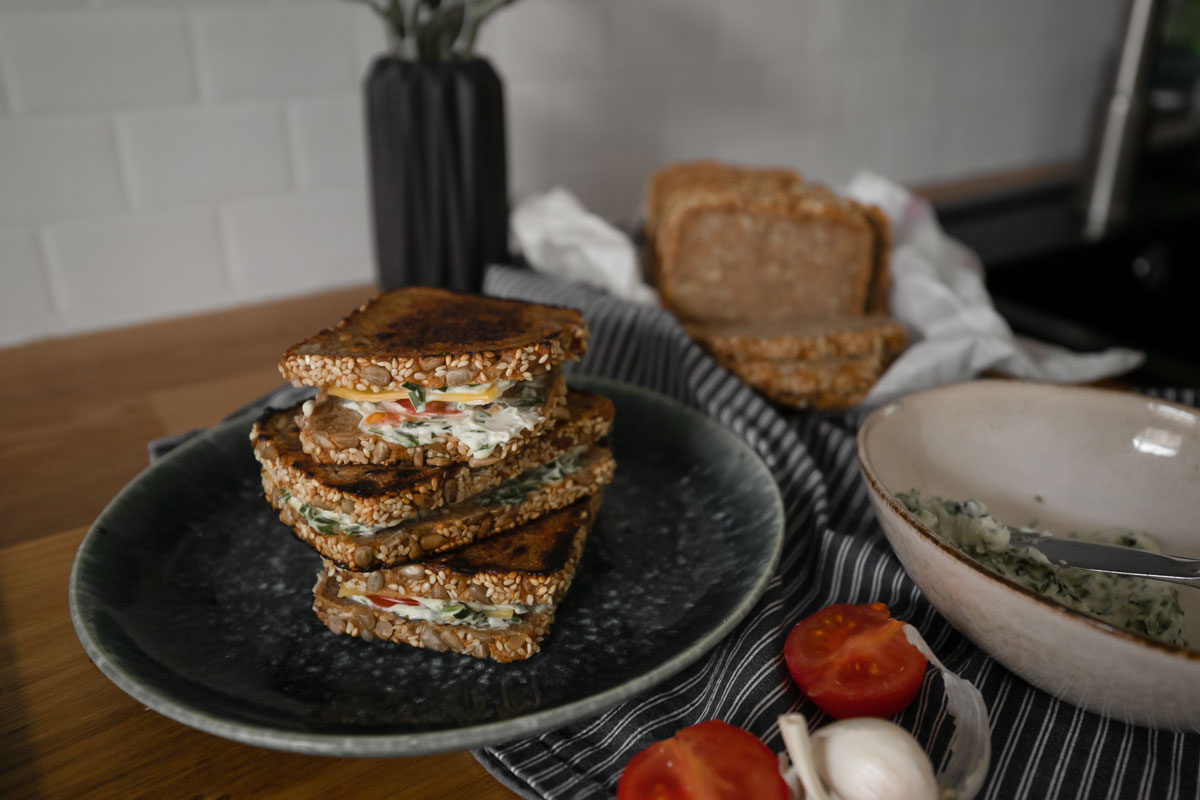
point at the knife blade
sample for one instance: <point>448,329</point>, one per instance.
<point>1115,559</point>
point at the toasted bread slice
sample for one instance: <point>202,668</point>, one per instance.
<point>385,495</point>
<point>435,338</point>
<point>527,570</point>
<point>335,433</point>
<point>509,505</point>
<point>800,339</point>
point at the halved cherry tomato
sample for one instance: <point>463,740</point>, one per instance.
<point>388,602</point>
<point>710,761</point>
<point>853,661</point>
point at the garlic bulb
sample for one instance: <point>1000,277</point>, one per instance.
<point>858,759</point>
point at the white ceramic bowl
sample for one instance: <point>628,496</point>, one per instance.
<point>1073,459</point>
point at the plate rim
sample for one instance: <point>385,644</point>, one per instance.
<point>425,742</point>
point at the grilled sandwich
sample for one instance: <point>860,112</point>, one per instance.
<point>427,376</point>
<point>492,599</point>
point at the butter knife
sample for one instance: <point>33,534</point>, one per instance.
<point>1111,558</point>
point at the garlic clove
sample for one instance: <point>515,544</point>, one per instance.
<point>868,758</point>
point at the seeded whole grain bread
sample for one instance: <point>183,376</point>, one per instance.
<point>532,565</point>
<point>390,494</point>
<point>450,527</point>
<point>436,338</point>
<point>331,435</point>
<point>733,244</point>
<point>800,339</point>
<point>824,384</point>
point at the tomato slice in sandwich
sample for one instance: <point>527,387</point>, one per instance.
<point>388,602</point>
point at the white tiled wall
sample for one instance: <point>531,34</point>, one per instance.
<point>160,157</point>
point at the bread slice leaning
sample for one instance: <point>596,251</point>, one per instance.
<point>743,249</point>
<point>531,566</point>
<point>507,506</point>
<point>374,495</point>
<point>435,338</point>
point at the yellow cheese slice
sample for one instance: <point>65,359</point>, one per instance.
<point>484,393</point>
<point>366,397</point>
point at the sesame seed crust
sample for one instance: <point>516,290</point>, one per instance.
<point>435,338</point>
<point>561,536</point>
<point>515,643</point>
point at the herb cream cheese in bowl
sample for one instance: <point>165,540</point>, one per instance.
<point>947,469</point>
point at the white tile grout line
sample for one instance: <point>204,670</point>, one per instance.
<point>133,202</point>
<point>236,283</point>
<point>52,276</point>
<point>293,146</point>
<point>203,90</point>
<point>11,95</point>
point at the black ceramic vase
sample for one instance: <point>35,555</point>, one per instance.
<point>439,173</point>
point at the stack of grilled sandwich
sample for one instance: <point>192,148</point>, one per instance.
<point>444,471</point>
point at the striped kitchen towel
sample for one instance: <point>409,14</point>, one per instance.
<point>834,552</point>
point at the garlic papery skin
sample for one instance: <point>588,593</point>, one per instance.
<point>867,758</point>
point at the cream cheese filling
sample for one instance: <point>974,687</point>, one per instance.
<point>453,612</point>
<point>328,523</point>
<point>482,424</point>
<point>511,492</point>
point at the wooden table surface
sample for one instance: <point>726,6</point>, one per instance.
<point>77,414</point>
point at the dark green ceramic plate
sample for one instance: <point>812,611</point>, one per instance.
<point>191,596</point>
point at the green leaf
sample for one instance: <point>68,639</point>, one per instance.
<point>437,33</point>
<point>416,396</point>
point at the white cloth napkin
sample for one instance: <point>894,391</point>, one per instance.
<point>559,237</point>
<point>937,292</point>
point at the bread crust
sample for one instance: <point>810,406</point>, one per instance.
<point>436,338</point>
